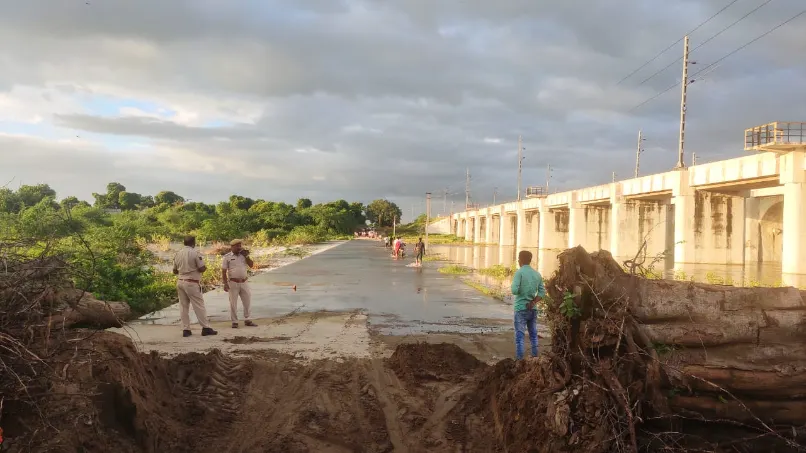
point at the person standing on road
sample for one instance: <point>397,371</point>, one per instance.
<point>189,267</point>
<point>419,251</point>
<point>396,249</point>
<point>528,289</point>
<point>234,270</point>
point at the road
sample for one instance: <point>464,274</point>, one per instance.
<point>351,300</point>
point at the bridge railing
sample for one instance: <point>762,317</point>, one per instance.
<point>779,135</point>
<point>536,191</point>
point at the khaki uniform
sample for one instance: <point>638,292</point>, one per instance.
<point>237,269</point>
<point>188,261</point>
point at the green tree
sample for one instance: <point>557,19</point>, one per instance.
<point>9,201</point>
<point>72,202</point>
<point>111,199</point>
<point>146,201</point>
<point>239,202</point>
<point>167,197</point>
<point>31,195</point>
<point>304,203</point>
<point>381,212</point>
<point>128,201</point>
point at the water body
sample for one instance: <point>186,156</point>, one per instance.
<point>545,261</point>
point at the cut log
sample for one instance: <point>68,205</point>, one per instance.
<point>87,310</point>
<point>748,411</point>
<point>757,384</point>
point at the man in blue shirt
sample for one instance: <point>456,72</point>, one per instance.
<point>528,289</point>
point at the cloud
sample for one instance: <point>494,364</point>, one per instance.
<point>357,99</point>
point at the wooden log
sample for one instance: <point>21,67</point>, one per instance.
<point>753,383</point>
<point>748,411</point>
<point>91,311</point>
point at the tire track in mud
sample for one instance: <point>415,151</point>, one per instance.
<point>331,348</point>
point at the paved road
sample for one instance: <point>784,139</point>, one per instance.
<point>361,274</point>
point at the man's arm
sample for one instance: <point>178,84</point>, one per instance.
<point>516,282</point>
<point>249,261</point>
<point>200,265</point>
<point>541,292</point>
<point>224,274</point>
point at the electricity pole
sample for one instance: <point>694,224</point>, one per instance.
<point>548,177</point>
<point>684,84</point>
<point>495,192</point>
<point>693,158</point>
<point>445,201</point>
<point>394,225</point>
<point>427,216</point>
<point>520,165</point>
<point>467,190</point>
<point>638,153</point>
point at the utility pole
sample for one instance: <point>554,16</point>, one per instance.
<point>693,158</point>
<point>445,201</point>
<point>684,84</point>
<point>394,225</point>
<point>638,153</point>
<point>427,216</point>
<point>495,192</point>
<point>548,177</point>
<point>467,190</point>
<point>520,164</point>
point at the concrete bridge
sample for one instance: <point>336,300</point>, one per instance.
<point>736,211</point>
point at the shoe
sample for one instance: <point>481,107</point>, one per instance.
<point>208,331</point>
<point>235,325</point>
<point>249,324</point>
<point>186,333</point>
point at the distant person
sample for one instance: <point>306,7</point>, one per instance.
<point>419,251</point>
<point>396,249</point>
<point>189,267</point>
<point>234,270</point>
<point>528,289</point>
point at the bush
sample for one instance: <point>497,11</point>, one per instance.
<point>303,235</point>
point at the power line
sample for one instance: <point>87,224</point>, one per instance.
<point>675,43</point>
<point>721,58</point>
<point>706,41</point>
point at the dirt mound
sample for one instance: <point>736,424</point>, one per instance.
<point>433,362</point>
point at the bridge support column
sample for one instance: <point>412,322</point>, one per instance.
<point>468,230</point>
<point>576,223</point>
<point>793,178</point>
<point>507,234</point>
<point>488,229</point>
<point>520,230</point>
<point>684,203</point>
<point>477,229</point>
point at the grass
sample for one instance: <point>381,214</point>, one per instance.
<point>433,239</point>
<point>298,252</point>
<point>435,257</point>
<point>162,242</point>
<point>498,271</point>
<point>455,269</point>
<point>495,293</point>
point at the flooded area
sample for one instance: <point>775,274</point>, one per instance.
<point>545,261</point>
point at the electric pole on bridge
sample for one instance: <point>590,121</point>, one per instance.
<point>467,190</point>
<point>427,216</point>
<point>548,177</point>
<point>684,84</point>
<point>520,164</point>
<point>638,152</point>
<point>495,192</point>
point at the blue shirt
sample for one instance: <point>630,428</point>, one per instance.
<point>526,283</point>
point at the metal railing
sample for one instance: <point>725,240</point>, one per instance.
<point>777,135</point>
<point>536,191</point>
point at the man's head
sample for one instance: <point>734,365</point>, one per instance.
<point>524,257</point>
<point>420,239</point>
<point>236,245</point>
<point>190,241</point>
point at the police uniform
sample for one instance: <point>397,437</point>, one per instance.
<point>237,273</point>
<point>188,285</point>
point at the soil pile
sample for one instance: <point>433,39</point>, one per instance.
<point>417,362</point>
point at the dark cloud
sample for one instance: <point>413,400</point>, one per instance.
<point>361,99</point>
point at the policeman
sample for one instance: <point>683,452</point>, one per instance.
<point>236,263</point>
<point>189,267</point>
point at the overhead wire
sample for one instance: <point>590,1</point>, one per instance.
<point>721,59</point>
<point>675,43</point>
<point>704,42</point>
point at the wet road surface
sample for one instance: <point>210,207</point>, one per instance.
<point>361,275</point>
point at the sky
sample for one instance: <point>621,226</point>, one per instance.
<point>366,99</point>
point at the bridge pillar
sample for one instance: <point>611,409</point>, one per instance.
<point>684,203</point>
<point>488,228</point>
<point>520,232</point>
<point>576,223</point>
<point>477,228</point>
<point>793,178</point>
<point>468,231</point>
<point>506,239</point>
